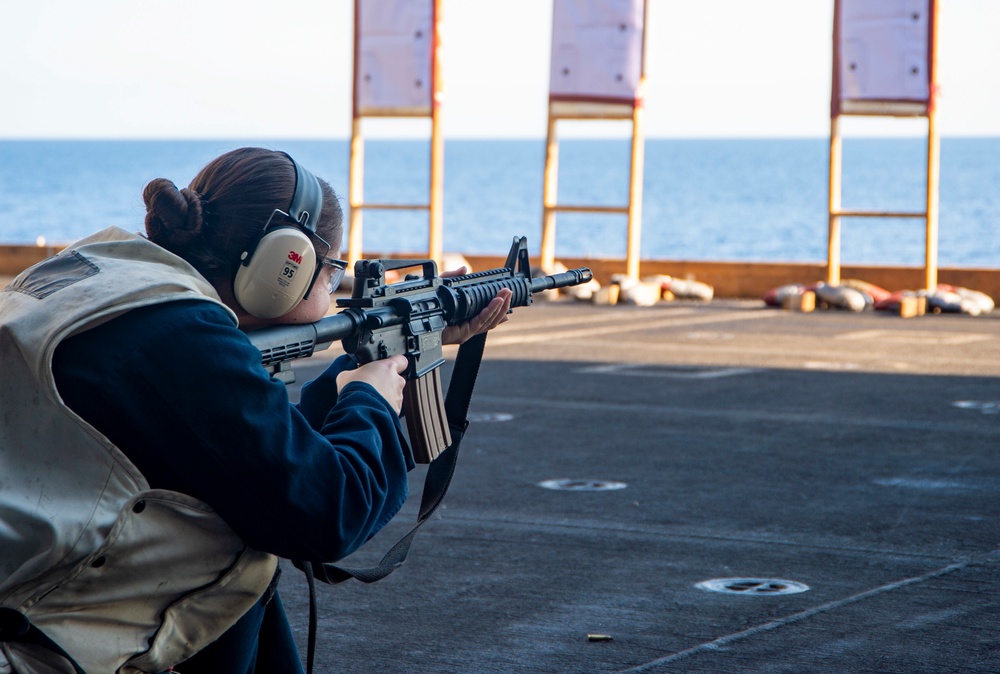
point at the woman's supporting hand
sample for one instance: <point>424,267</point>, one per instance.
<point>492,315</point>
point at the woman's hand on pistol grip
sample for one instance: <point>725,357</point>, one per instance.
<point>385,376</point>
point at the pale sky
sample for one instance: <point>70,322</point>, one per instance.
<point>269,70</point>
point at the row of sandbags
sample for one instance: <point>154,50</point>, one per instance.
<point>856,295</point>
<point>638,292</point>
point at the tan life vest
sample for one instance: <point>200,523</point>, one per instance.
<point>123,577</point>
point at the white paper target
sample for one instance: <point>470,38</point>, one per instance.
<point>393,67</point>
<point>883,50</point>
<point>596,50</point>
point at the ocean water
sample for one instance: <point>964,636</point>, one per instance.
<point>729,200</point>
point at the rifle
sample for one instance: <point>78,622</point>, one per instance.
<point>408,317</point>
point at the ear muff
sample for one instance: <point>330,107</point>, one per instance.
<point>278,270</point>
<point>274,278</point>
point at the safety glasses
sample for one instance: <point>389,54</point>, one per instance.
<point>339,267</point>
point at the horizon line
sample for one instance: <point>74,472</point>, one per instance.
<point>306,139</point>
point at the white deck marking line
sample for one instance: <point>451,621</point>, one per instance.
<point>919,336</point>
<point>667,372</point>
<point>526,325</point>
<point>772,417</point>
<point>626,326</point>
<point>722,642</point>
<point>785,355</point>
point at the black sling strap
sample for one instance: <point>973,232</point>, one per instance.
<point>436,482</point>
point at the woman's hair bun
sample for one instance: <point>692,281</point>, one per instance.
<point>173,216</point>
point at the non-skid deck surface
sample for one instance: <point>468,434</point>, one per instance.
<point>855,455</point>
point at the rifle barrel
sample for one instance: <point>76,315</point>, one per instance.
<point>561,280</point>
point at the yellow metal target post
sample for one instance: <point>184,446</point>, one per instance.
<point>397,73</point>
<point>597,73</point>
<point>884,64</point>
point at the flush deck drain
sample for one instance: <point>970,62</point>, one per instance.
<point>752,586</point>
<point>582,485</point>
<point>981,406</point>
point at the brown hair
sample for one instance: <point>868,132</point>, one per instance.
<point>212,221</point>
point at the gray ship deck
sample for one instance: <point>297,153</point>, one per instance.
<point>855,454</point>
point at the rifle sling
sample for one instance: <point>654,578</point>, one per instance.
<point>439,474</point>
